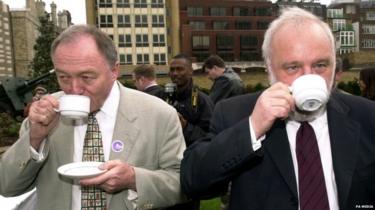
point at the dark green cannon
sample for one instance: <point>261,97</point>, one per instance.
<point>16,92</point>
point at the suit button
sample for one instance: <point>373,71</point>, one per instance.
<point>22,164</point>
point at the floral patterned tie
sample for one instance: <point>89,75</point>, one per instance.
<point>93,198</point>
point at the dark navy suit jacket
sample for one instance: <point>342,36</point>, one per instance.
<point>265,179</point>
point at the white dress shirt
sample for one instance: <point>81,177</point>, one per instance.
<point>320,126</point>
<point>106,118</point>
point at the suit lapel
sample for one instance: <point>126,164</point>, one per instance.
<point>277,145</point>
<point>344,136</point>
<point>126,128</point>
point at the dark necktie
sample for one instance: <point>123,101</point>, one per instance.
<point>93,198</point>
<point>312,188</point>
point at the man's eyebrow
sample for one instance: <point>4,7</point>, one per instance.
<point>287,64</point>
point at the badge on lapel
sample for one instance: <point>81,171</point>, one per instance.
<point>117,146</point>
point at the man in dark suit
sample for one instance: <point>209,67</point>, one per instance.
<point>253,137</point>
<point>145,80</point>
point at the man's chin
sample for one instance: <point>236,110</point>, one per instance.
<point>301,116</point>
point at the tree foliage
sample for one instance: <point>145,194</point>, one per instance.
<point>42,62</point>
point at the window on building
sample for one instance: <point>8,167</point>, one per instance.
<point>157,4</point>
<point>335,13</point>
<point>200,56</point>
<point>124,40</point>
<point>195,11</point>
<point>262,11</point>
<point>368,29</point>
<point>106,21</point>
<point>140,3</point>
<point>123,21</point>
<point>241,11</point>
<point>346,38</point>
<point>249,42</point>
<point>242,25</point>
<point>141,21</point>
<point>338,24</point>
<point>126,59</point>
<point>141,40</point>
<point>123,4</point>
<point>143,59</point>
<point>160,59</point>
<point>217,11</point>
<point>370,15</point>
<point>110,36</point>
<point>249,56</point>
<point>201,42</point>
<point>227,56</point>
<point>105,3</point>
<point>224,42</point>
<point>368,43</point>
<point>220,25</point>
<point>158,40</point>
<point>262,25</point>
<point>157,21</point>
<point>197,25</point>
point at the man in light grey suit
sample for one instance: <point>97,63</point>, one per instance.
<point>142,165</point>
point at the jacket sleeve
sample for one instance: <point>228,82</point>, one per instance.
<point>18,170</point>
<point>209,164</point>
<point>160,186</point>
<point>221,89</point>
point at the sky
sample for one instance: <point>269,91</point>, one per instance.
<point>76,8</point>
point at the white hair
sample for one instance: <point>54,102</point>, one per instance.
<point>297,17</point>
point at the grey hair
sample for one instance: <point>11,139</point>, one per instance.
<point>297,17</point>
<point>103,42</point>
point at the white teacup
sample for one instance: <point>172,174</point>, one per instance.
<point>309,92</point>
<point>74,106</point>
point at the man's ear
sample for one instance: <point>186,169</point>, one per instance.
<point>116,71</point>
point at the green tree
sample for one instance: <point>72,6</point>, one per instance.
<point>42,62</point>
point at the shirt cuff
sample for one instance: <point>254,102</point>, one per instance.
<point>38,156</point>
<point>255,143</point>
<point>133,197</point>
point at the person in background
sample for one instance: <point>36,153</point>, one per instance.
<point>39,91</point>
<point>194,108</point>
<point>262,142</point>
<point>144,78</point>
<point>227,83</point>
<point>141,166</point>
<point>367,83</point>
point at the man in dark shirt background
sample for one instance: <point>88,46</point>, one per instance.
<point>227,83</point>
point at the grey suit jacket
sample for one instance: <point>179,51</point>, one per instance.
<point>153,144</point>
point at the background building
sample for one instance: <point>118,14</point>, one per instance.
<point>138,28</point>
<point>233,29</point>
<point>6,48</point>
<point>18,34</point>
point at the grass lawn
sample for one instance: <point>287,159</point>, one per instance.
<point>213,204</point>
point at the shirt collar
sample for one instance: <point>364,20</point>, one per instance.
<point>111,104</point>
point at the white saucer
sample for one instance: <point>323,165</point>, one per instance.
<point>80,169</point>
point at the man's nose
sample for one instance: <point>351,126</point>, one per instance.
<point>307,70</point>
<point>76,87</point>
